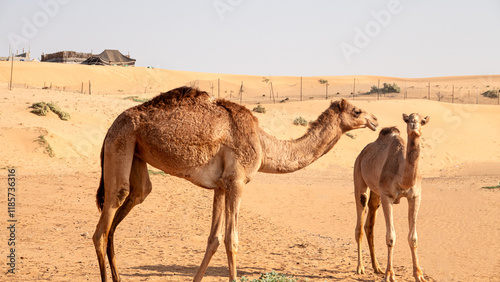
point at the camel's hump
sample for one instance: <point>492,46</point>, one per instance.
<point>182,95</point>
<point>389,130</point>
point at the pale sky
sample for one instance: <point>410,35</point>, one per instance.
<point>403,38</point>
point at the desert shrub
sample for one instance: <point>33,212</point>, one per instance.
<point>259,109</point>
<point>300,121</point>
<point>323,81</point>
<point>387,88</point>
<point>491,93</point>
<point>55,108</point>
<point>156,172</point>
<point>47,149</point>
<point>42,108</point>
<point>270,277</point>
<point>136,99</point>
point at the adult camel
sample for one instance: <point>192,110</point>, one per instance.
<point>215,144</point>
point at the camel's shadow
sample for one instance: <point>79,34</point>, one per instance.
<point>173,270</point>
<point>189,271</point>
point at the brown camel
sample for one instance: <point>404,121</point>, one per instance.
<point>389,168</point>
<point>215,144</point>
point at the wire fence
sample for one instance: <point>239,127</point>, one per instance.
<point>303,89</point>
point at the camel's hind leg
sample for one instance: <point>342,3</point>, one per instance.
<point>140,187</point>
<point>373,205</point>
<point>116,174</point>
<point>215,232</point>
<point>361,198</point>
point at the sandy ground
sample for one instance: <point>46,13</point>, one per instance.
<point>300,224</point>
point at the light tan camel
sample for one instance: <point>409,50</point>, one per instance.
<point>389,168</point>
<point>215,144</point>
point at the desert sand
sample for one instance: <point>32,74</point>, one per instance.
<point>299,224</point>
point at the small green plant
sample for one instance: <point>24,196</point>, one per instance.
<point>154,172</point>
<point>387,88</point>
<point>350,135</point>
<point>300,121</point>
<point>270,277</point>
<point>47,148</point>
<point>42,109</point>
<point>491,93</point>
<point>323,81</point>
<point>136,99</point>
<point>492,187</point>
<point>259,109</point>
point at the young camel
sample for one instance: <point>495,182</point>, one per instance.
<point>215,144</point>
<point>390,169</point>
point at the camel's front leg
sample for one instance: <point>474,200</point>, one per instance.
<point>387,205</point>
<point>233,200</point>
<point>215,232</point>
<point>413,206</point>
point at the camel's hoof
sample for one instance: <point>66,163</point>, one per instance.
<point>389,279</point>
<point>420,279</point>
<point>360,270</point>
<point>378,270</point>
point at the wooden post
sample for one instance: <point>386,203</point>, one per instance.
<point>11,70</point>
<point>272,92</point>
<point>90,88</point>
<point>378,90</point>
<point>326,93</point>
<point>301,88</point>
<point>453,94</point>
<point>354,89</point>
<point>82,88</point>
<point>241,93</point>
<point>429,91</point>
<point>218,88</point>
<point>406,93</point>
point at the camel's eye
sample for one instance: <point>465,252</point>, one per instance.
<point>357,112</point>
<point>422,122</point>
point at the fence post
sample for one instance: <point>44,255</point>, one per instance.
<point>90,88</point>
<point>301,88</point>
<point>11,70</point>
<point>326,94</point>
<point>82,88</point>
<point>354,89</point>
<point>429,91</point>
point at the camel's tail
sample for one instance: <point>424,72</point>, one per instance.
<point>100,191</point>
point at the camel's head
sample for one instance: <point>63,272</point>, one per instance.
<point>415,123</point>
<point>352,117</point>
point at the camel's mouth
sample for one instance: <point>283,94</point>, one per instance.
<point>371,125</point>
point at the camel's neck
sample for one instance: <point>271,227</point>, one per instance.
<point>410,172</point>
<point>280,156</point>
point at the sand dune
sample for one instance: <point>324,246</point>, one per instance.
<point>300,224</point>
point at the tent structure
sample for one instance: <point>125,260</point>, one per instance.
<point>110,58</point>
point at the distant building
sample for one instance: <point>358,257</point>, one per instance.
<point>106,58</point>
<point>66,57</point>
<point>110,58</point>
<point>18,57</point>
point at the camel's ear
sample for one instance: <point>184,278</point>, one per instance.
<point>426,120</point>
<point>406,118</point>
<point>343,104</point>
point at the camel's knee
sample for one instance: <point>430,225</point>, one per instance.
<point>231,244</point>
<point>412,240</point>
<point>358,234</point>
<point>391,239</point>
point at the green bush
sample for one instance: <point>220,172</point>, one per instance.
<point>259,109</point>
<point>387,88</point>
<point>491,93</point>
<point>136,99</point>
<point>300,121</point>
<point>47,149</point>
<point>323,81</point>
<point>42,108</point>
